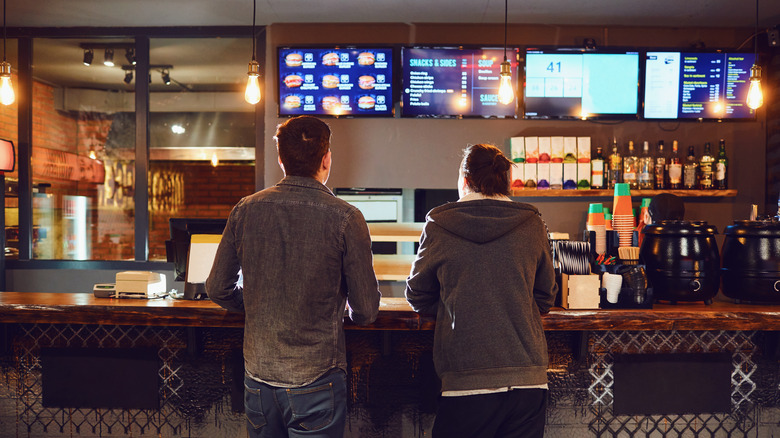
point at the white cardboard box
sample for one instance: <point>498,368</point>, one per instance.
<point>146,284</point>
<point>580,291</point>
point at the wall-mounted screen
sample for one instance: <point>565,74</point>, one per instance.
<point>350,81</point>
<point>686,85</point>
<point>455,82</point>
<point>572,83</point>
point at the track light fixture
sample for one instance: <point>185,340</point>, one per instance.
<point>7,95</point>
<point>89,55</point>
<point>252,94</point>
<point>108,59</point>
<point>128,77</point>
<point>130,55</point>
<point>166,77</point>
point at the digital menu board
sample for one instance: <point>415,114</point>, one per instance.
<point>452,82</point>
<point>336,81</point>
<point>680,85</point>
<point>566,83</point>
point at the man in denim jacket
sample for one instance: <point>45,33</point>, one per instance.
<point>305,256</point>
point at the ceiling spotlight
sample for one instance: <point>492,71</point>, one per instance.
<point>88,56</point>
<point>130,55</point>
<point>128,77</point>
<point>108,61</point>
<point>166,77</point>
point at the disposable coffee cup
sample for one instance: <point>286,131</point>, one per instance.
<point>612,283</point>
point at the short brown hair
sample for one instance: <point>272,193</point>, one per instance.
<point>302,142</point>
<point>486,169</point>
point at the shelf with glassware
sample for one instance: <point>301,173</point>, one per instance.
<point>394,267</point>
<point>608,193</point>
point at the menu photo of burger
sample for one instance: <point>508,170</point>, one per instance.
<point>293,81</point>
<point>293,59</point>
<point>366,82</point>
<point>330,59</point>
<point>366,58</point>
<point>366,102</point>
<point>292,101</point>
<point>330,81</point>
<point>331,104</point>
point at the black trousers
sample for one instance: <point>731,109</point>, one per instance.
<point>519,413</point>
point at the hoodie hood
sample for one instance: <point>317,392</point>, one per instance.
<point>482,220</point>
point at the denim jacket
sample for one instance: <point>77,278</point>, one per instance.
<point>304,255</point>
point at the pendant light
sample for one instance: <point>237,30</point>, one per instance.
<point>252,94</point>
<point>755,97</point>
<point>7,95</point>
<point>506,93</point>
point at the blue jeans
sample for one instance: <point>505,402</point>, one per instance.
<point>315,410</point>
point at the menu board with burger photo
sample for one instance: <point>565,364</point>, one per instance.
<point>336,81</point>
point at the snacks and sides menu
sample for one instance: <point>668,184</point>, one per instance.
<point>442,82</point>
<point>581,85</point>
<point>338,82</point>
<point>681,85</point>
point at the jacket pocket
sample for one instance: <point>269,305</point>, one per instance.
<point>312,407</point>
<point>253,408</point>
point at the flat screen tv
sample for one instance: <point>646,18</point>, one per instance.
<point>696,85</point>
<point>455,82</point>
<point>569,83</point>
<point>335,81</point>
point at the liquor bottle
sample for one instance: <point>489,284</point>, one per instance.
<point>660,167</point>
<point>721,167</point>
<point>675,168</point>
<point>706,167</point>
<point>597,170</point>
<point>631,167</point>
<point>690,179</point>
<point>615,163</point>
<point>646,168</point>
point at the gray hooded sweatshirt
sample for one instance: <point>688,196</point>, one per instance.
<point>484,269</point>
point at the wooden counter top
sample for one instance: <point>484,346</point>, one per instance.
<point>394,314</point>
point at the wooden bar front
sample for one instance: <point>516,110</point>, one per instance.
<point>394,314</point>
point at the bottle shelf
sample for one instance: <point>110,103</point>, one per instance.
<point>532,193</point>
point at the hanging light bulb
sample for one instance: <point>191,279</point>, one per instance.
<point>214,160</point>
<point>7,95</point>
<point>506,93</point>
<point>755,97</point>
<point>252,94</point>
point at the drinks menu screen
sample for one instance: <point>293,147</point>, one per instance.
<point>681,85</point>
<point>570,84</point>
<point>337,82</point>
<point>450,82</point>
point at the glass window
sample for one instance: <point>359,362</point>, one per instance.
<point>83,145</point>
<point>202,131</point>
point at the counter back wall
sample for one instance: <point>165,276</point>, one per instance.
<point>425,153</point>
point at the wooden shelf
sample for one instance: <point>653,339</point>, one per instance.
<point>393,267</point>
<point>531,193</point>
<point>395,231</point>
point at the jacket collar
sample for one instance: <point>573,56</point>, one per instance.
<point>304,181</point>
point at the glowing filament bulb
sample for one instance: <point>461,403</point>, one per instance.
<point>7,95</point>
<point>506,93</point>
<point>755,97</point>
<point>252,94</point>
<point>214,160</point>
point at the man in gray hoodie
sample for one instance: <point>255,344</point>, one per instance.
<point>484,268</point>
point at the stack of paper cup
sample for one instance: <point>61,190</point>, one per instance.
<point>622,215</point>
<point>596,223</point>
<point>612,283</point>
<point>607,219</point>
